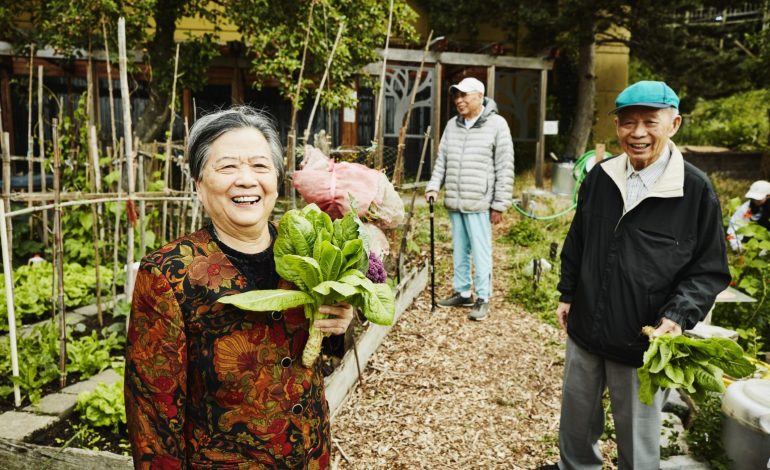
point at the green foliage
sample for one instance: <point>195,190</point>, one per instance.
<point>327,261</point>
<point>33,287</point>
<point>104,406</point>
<point>739,122</point>
<point>704,437</point>
<point>695,365</point>
<point>38,355</point>
<point>274,32</point>
<point>90,355</point>
<point>526,232</point>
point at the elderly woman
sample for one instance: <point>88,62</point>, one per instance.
<point>209,385</point>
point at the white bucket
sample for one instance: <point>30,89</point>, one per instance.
<point>746,431</point>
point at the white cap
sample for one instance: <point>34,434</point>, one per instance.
<point>759,190</point>
<point>468,85</point>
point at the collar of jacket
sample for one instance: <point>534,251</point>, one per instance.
<point>670,184</point>
<point>489,107</point>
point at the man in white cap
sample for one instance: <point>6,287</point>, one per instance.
<point>646,247</point>
<point>475,163</point>
<point>754,210</point>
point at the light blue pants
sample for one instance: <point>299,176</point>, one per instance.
<point>637,426</point>
<point>472,237</point>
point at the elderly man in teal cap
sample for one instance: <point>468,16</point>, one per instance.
<point>646,247</point>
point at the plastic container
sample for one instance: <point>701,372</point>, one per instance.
<point>746,431</point>
<point>563,182</point>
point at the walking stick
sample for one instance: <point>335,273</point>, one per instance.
<point>432,260</point>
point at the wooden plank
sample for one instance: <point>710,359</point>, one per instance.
<point>343,379</point>
<point>540,156</point>
<point>467,59</point>
<point>16,455</point>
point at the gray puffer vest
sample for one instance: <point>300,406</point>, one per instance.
<point>476,164</point>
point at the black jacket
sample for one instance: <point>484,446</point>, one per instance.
<point>664,257</point>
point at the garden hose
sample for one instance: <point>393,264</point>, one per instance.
<point>578,173</point>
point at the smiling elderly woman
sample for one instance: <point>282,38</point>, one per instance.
<point>209,385</point>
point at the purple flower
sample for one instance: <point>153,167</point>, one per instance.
<point>376,271</point>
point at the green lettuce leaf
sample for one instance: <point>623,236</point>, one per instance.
<point>267,300</point>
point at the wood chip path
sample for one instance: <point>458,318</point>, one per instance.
<point>445,392</point>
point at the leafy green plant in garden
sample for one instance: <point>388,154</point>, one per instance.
<point>526,232</point>
<point>38,361</point>
<point>33,290</point>
<point>738,122</point>
<point>104,406</point>
<point>90,355</point>
<point>704,437</point>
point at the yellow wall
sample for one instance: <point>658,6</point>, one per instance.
<point>611,79</point>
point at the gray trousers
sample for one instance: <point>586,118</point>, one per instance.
<point>637,426</point>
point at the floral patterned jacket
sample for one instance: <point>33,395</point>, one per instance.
<point>211,386</point>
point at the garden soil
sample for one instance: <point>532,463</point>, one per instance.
<point>445,392</point>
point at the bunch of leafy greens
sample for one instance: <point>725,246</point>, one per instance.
<point>695,365</point>
<point>327,261</point>
<point>104,406</point>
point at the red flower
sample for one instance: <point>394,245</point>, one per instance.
<point>211,270</point>
<point>163,383</point>
<point>165,462</point>
<point>276,426</point>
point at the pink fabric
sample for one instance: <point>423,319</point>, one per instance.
<point>329,188</point>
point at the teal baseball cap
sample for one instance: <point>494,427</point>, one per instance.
<point>647,93</point>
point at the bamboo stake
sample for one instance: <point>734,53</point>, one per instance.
<point>109,87</point>
<point>116,235</point>
<point>291,139</point>
<point>7,181</point>
<point>141,176</point>
<point>187,183</point>
<point>167,166</point>
<point>59,260</point>
<point>380,96</point>
<point>323,80</point>
<point>30,140</point>
<point>95,184</point>
<point>41,144</point>
<point>398,171</point>
<point>8,278</point>
<point>129,152</point>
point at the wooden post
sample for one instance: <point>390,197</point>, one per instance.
<point>30,140</point>
<point>167,165</point>
<point>437,103</point>
<point>323,81</point>
<point>141,176</point>
<point>41,144</point>
<point>7,181</point>
<point>116,234</point>
<point>599,152</point>
<point>59,259</point>
<point>129,152</point>
<point>8,277</point>
<point>378,138</point>
<point>109,87</point>
<point>95,188</point>
<point>491,71</point>
<point>540,156</point>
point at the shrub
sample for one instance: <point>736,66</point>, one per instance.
<point>739,122</point>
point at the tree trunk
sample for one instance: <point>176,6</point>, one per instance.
<point>154,119</point>
<point>584,112</point>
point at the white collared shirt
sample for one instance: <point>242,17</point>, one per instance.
<point>639,183</point>
<point>470,122</point>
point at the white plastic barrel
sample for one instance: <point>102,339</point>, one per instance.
<point>746,431</point>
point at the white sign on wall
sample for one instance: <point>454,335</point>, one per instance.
<point>550,127</point>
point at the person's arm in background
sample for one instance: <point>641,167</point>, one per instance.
<point>706,275</point>
<point>737,220</point>
<point>504,174</point>
<point>439,168</point>
<point>156,374</point>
